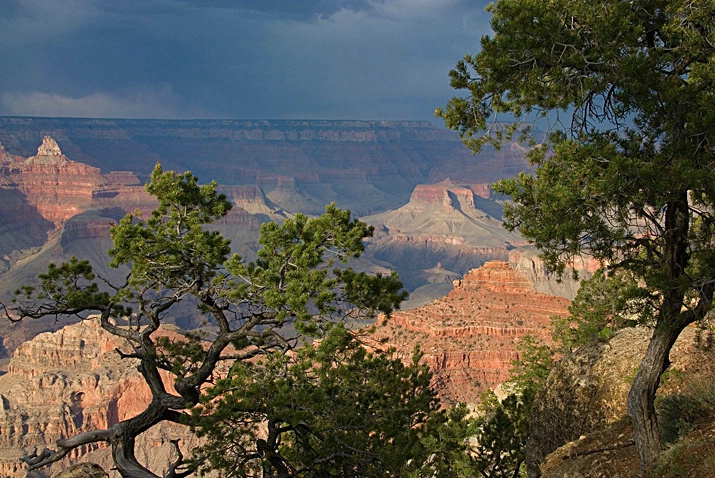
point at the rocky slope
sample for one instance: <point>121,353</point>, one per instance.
<point>579,425</point>
<point>469,337</point>
<point>63,383</point>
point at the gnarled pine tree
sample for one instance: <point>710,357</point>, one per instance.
<point>628,176</point>
<point>174,259</point>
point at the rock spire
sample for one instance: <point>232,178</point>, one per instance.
<point>49,147</point>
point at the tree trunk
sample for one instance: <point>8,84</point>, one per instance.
<point>641,399</point>
<point>123,443</point>
<point>127,464</point>
<point>670,323</point>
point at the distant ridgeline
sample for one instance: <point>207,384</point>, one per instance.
<point>366,166</point>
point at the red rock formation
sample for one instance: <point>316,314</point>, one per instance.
<point>469,337</point>
<point>482,190</point>
<point>7,158</point>
<point>57,187</point>
<point>22,228</point>
<point>63,383</point>
<point>527,261</point>
<point>451,212</point>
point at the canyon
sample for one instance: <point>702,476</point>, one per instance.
<point>365,166</point>
<point>62,383</point>
<point>55,207</point>
<point>476,290</point>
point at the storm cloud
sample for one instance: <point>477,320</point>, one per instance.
<point>283,59</point>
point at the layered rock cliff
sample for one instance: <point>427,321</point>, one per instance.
<point>63,383</point>
<point>365,166</point>
<point>22,227</point>
<point>469,337</point>
<point>57,187</point>
<point>43,192</point>
<point>526,260</point>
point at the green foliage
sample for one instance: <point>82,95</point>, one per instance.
<point>502,426</point>
<point>694,403</point>
<point>72,285</point>
<point>448,446</point>
<point>334,409</point>
<point>604,304</point>
<point>684,419</point>
<point>624,173</point>
<point>171,249</point>
<point>181,356</point>
<point>496,436</point>
<point>302,278</point>
<point>678,414</point>
<point>502,433</point>
<point>296,274</point>
<point>533,366</point>
<point>632,78</point>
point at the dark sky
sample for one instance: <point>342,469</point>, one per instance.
<point>243,59</point>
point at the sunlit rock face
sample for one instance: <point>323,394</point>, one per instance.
<point>470,337</point>
<point>56,186</point>
<point>446,223</point>
<point>71,381</point>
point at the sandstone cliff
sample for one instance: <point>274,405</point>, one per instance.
<point>41,193</point>
<point>57,187</point>
<point>469,337</point>
<point>22,227</point>
<point>526,260</point>
<point>67,382</point>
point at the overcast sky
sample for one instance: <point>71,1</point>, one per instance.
<point>243,59</point>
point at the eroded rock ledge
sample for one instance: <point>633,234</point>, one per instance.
<point>469,337</point>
